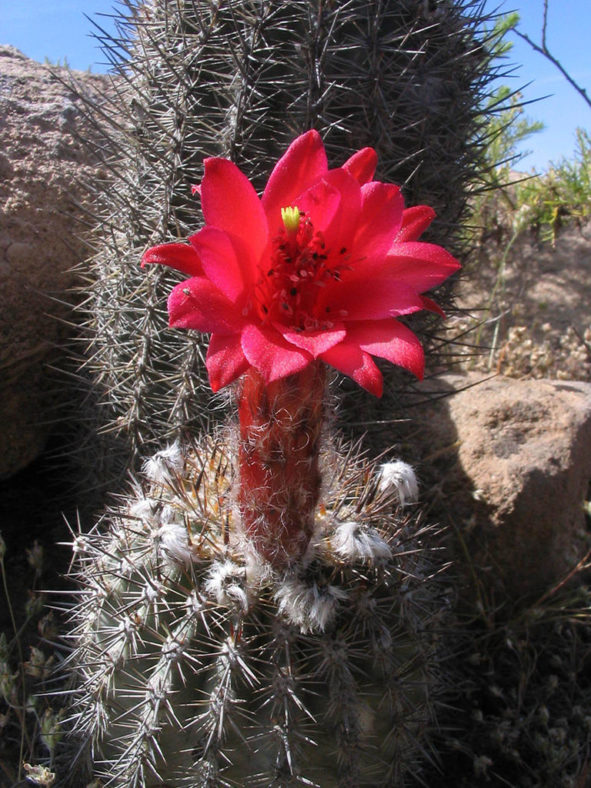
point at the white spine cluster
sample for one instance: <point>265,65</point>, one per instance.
<point>166,464</point>
<point>174,543</point>
<point>226,584</point>
<point>399,476</point>
<point>309,606</point>
<point>353,542</point>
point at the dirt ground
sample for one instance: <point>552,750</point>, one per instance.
<point>531,299</point>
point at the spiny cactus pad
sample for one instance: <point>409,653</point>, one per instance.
<point>202,665</point>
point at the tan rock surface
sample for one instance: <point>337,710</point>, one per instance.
<point>40,158</point>
<point>513,460</point>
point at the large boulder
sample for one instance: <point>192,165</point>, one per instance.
<point>40,242</point>
<point>511,460</point>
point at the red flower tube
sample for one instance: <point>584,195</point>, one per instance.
<point>280,430</point>
<point>314,272</point>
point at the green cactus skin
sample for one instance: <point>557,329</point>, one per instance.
<point>241,79</point>
<point>202,665</point>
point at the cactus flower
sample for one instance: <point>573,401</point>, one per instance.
<point>314,272</point>
<point>318,269</point>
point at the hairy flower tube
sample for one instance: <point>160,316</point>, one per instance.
<point>314,272</point>
<point>318,268</point>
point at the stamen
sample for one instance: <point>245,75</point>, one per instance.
<point>291,220</point>
<point>300,266</point>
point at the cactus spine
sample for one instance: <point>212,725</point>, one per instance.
<point>241,79</point>
<point>203,664</point>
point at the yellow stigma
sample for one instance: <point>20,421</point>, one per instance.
<point>291,219</point>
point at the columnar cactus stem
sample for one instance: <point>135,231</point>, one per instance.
<point>244,611</point>
<point>202,668</point>
<point>280,429</point>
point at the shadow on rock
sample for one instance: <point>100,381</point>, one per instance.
<point>505,465</point>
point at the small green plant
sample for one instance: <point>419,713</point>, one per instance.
<point>503,205</point>
<point>59,63</point>
<point>562,195</point>
<point>506,132</point>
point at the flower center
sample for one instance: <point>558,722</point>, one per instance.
<point>291,220</point>
<point>300,266</point>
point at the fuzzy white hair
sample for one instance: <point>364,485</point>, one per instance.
<point>399,476</point>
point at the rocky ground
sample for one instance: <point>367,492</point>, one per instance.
<point>532,299</point>
<point>506,469</point>
<point>503,447</point>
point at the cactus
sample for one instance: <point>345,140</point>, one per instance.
<point>202,664</point>
<point>240,79</point>
<point>246,614</point>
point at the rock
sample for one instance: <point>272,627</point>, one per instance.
<point>514,466</point>
<point>39,243</point>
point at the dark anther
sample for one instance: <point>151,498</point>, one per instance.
<point>270,272</point>
<point>265,310</point>
<point>343,250</point>
<point>293,291</point>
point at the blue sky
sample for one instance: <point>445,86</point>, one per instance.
<point>59,29</point>
<point>569,40</point>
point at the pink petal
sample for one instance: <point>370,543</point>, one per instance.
<point>315,342</point>
<point>418,264</point>
<point>300,167</point>
<point>225,360</point>
<point>275,358</point>
<point>354,362</point>
<point>415,221</point>
<point>339,233</point>
<point>231,204</point>
<point>177,255</point>
<point>374,299</point>
<point>198,304</point>
<point>391,340</point>
<point>362,165</point>
<point>320,204</point>
<point>219,261</point>
<point>432,306</point>
<point>379,219</point>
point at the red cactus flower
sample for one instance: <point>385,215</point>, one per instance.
<point>318,268</point>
